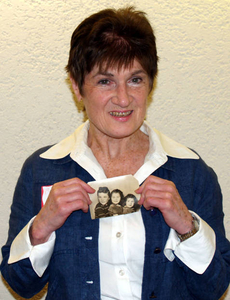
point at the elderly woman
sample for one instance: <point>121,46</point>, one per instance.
<point>175,246</point>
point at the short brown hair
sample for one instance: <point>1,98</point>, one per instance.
<point>112,38</point>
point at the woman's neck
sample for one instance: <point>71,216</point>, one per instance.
<point>119,156</point>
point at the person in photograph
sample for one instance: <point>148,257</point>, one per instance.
<point>102,208</point>
<point>115,207</point>
<point>178,252</point>
<point>130,204</point>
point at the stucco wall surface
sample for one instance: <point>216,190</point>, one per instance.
<point>190,102</point>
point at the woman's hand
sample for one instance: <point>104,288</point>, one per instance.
<point>162,194</point>
<point>64,198</point>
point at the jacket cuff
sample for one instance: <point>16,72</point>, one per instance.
<point>197,251</point>
<point>39,255</point>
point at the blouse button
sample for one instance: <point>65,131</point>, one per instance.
<point>121,272</point>
<point>118,234</point>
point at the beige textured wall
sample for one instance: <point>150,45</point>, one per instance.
<point>190,103</point>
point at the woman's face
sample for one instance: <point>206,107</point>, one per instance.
<point>115,101</point>
<point>103,198</point>
<point>116,198</point>
<point>130,202</point>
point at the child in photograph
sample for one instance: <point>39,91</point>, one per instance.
<point>115,208</point>
<point>101,209</point>
<point>130,204</point>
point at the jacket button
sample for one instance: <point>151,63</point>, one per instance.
<point>153,296</point>
<point>153,212</point>
<point>157,250</point>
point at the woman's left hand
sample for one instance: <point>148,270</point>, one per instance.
<point>163,194</point>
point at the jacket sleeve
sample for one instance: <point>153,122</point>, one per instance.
<point>197,251</point>
<point>20,275</point>
<point>207,204</point>
<point>39,255</point>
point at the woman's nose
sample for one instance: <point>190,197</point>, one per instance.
<point>122,96</point>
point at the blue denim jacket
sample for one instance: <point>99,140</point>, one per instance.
<point>73,272</point>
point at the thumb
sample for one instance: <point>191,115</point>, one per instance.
<point>139,190</point>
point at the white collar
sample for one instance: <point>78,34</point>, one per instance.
<point>76,144</point>
<point>160,147</point>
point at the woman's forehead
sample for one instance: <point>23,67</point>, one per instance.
<point>106,68</point>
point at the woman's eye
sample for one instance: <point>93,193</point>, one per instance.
<point>136,79</point>
<point>104,81</point>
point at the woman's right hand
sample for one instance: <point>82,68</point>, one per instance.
<point>64,198</point>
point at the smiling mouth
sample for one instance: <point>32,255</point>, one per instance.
<point>120,114</point>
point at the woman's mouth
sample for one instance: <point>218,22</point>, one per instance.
<point>120,113</point>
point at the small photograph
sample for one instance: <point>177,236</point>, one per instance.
<point>114,196</point>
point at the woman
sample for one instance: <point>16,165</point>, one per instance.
<point>164,251</point>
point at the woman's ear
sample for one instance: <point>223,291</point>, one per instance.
<point>76,89</point>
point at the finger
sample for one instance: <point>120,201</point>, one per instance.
<point>65,204</point>
<point>154,184</point>
<point>77,204</point>
<point>76,195</point>
<point>78,192</point>
<point>141,200</point>
<point>155,179</point>
<point>163,200</point>
<point>60,190</point>
<point>77,181</point>
<point>146,188</point>
<point>150,181</point>
<point>165,186</point>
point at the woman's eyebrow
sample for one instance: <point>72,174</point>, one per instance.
<point>99,73</point>
<point>138,72</point>
<point>104,73</point>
